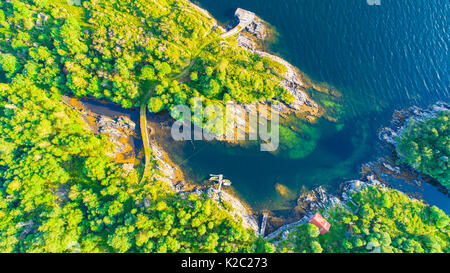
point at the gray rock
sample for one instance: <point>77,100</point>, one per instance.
<point>291,80</point>
<point>180,185</point>
<point>239,211</point>
<point>402,119</point>
<point>257,28</point>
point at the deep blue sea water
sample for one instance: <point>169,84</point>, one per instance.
<point>380,58</point>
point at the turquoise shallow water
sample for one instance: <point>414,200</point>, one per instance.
<point>381,58</point>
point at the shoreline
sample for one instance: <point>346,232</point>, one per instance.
<point>319,199</point>
<point>252,34</point>
<point>169,168</point>
<point>292,79</point>
<point>322,200</point>
<point>252,38</point>
<point>170,173</point>
<point>401,120</point>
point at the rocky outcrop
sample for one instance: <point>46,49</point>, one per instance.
<point>166,171</point>
<point>316,199</point>
<point>354,186</point>
<point>27,228</point>
<point>255,30</point>
<point>292,82</point>
<point>403,118</point>
<point>319,199</point>
<point>238,209</point>
<point>390,135</point>
<point>117,130</point>
<point>284,230</point>
<point>252,29</point>
<point>244,19</point>
<point>247,42</point>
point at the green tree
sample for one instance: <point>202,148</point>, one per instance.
<point>194,76</point>
<point>313,231</point>
<point>147,73</point>
<point>9,64</point>
<point>316,247</point>
<point>155,104</point>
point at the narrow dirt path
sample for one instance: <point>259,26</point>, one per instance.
<point>145,140</point>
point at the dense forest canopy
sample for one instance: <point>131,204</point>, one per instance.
<point>425,145</point>
<point>382,220</point>
<point>60,190</point>
<point>122,50</point>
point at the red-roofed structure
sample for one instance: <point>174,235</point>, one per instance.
<point>321,223</point>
